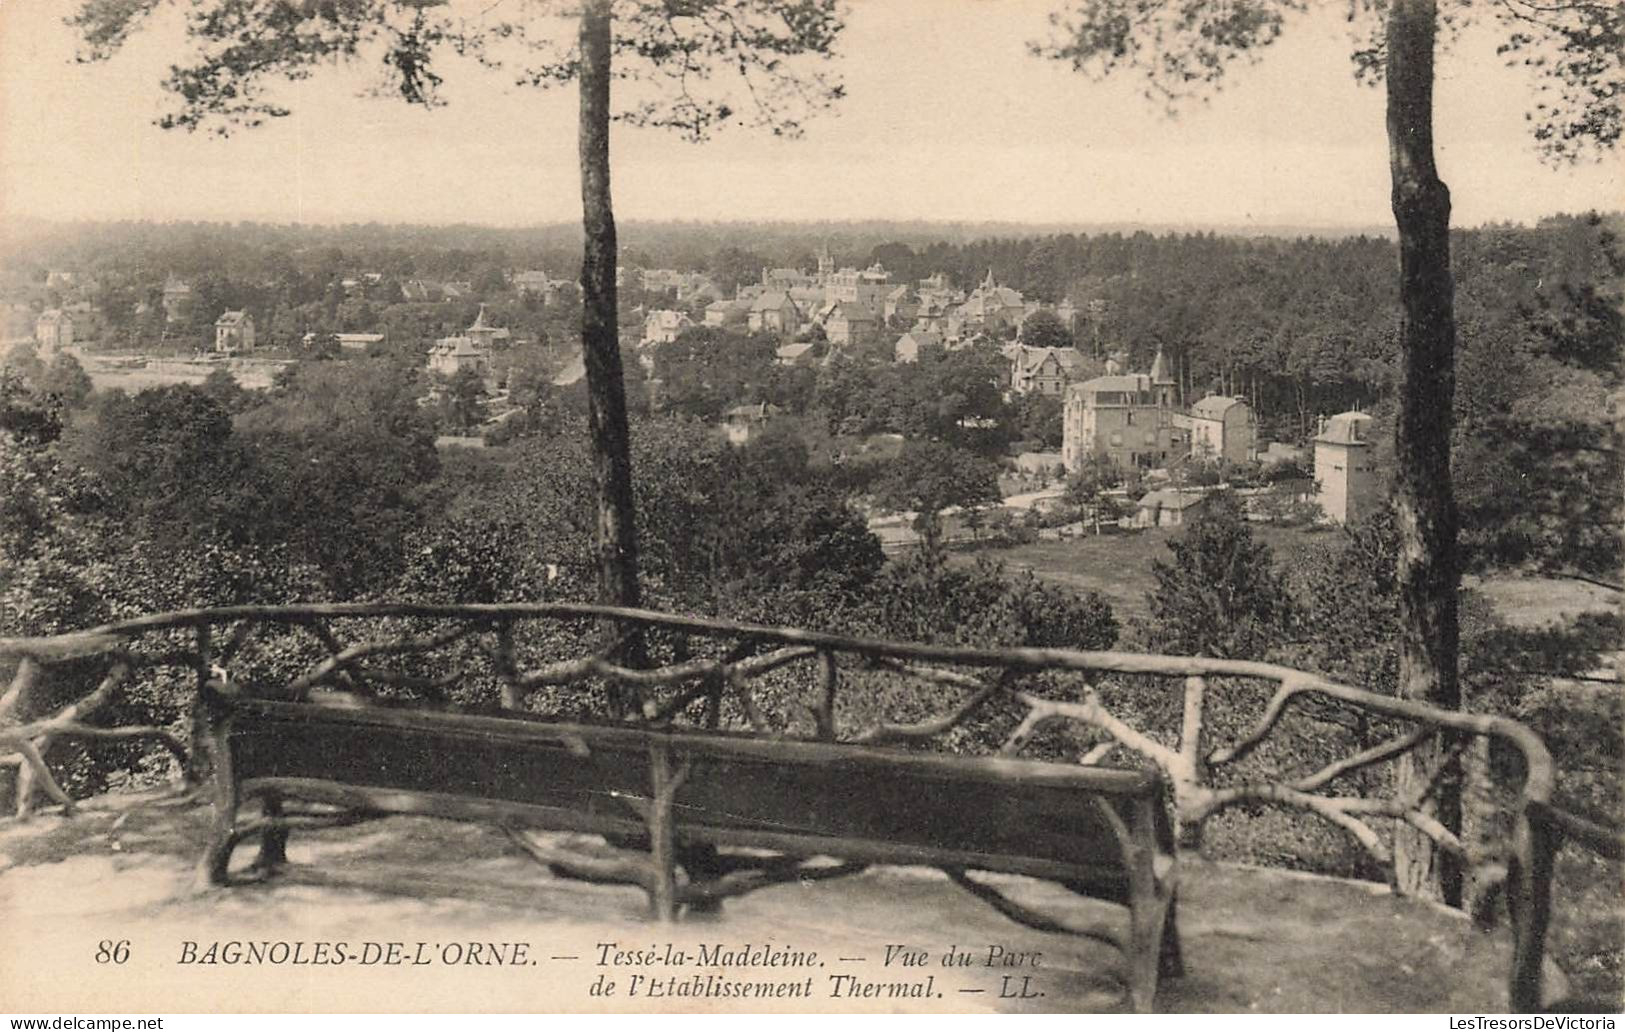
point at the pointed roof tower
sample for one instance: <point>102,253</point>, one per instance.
<point>479,320</point>
<point>1160,376</point>
<point>988,284</point>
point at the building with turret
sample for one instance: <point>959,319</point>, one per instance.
<point>1137,419</point>
<point>1126,417</point>
<point>486,336</point>
<point>1345,472</point>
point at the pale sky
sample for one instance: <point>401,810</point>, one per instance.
<point>947,118</point>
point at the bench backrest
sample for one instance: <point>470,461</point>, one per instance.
<point>855,802</point>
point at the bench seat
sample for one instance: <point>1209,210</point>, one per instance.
<point>1099,831</point>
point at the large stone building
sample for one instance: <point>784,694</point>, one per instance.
<point>1135,419</point>
<point>1345,473</point>
<point>868,287</point>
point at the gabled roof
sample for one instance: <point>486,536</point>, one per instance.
<point>760,410</point>
<point>921,337</point>
<point>1214,406</point>
<point>791,352</point>
<point>457,347</point>
<point>1028,358</point>
<point>1346,428</point>
<point>1168,498</point>
<point>772,301</point>
<point>852,311</point>
<point>1122,382</point>
<point>667,318</point>
<point>236,318</point>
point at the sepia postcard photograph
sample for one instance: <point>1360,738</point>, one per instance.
<point>834,507</point>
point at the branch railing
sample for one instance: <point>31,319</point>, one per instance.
<point>801,683</point>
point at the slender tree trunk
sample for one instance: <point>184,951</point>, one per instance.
<point>1425,506</point>
<point>617,543</point>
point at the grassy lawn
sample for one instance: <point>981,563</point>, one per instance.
<point>1118,566</point>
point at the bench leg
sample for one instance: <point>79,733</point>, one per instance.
<point>274,841</point>
<point>217,858</point>
<point>1148,921</point>
<point>1171,958</point>
<point>662,836</point>
<point>702,864</point>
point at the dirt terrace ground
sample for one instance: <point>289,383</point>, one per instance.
<point>124,869</point>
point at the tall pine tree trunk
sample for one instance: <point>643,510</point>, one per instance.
<point>1425,506</point>
<point>616,545</point>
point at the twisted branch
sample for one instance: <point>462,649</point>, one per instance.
<point>928,728</point>
<point>1376,754</point>
<point>1026,916</point>
<point>1091,711</point>
<point>742,880</point>
<point>299,686</point>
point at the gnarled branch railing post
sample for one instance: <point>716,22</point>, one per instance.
<point>963,684</point>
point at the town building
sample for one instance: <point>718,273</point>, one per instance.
<point>992,308</point>
<point>791,354</point>
<point>782,280</point>
<point>1043,370</point>
<point>867,287</point>
<point>1224,428</point>
<point>358,341</point>
<point>177,298</point>
<point>907,348</point>
<point>1169,507</point>
<point>485,335</point>
<point>530,281</point>
<point>848,322</point>
<point>662,326</point>
<point>234,331</point>
<point>721,313</point>
<point>774,312</point>
<point>1135,419</point>
<point>452,355</point>
<point>53,329</point>
<point>1127,417</point>
<point>744,422</point>
<point>900,306</point>
<point>1345,472</point>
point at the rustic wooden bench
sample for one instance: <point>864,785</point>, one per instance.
<point>683,793</point>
